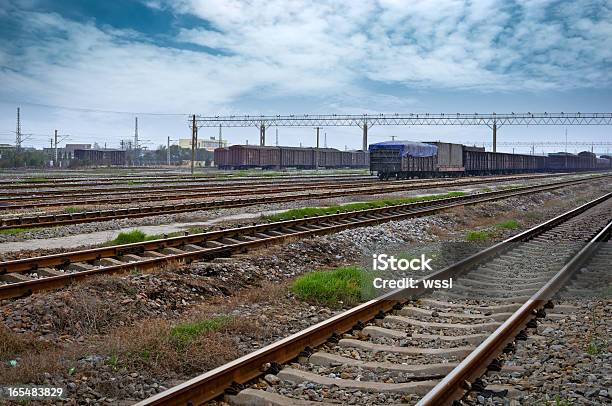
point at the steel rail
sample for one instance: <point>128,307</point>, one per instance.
<point>145,211</point>
<point>241,239</point>
<point>79,192</point>
<point>28,195</point>
<point>453,385</point>
<point>176,194</point>
<point>214,383</point>
<point>30,184</point>
<point>25,202</point>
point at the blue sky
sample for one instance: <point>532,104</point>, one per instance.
<point>273,57</point>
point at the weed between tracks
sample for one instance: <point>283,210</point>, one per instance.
<point>72,210</point>
<point>135,236</point>
<point>483,235</point>
<point>189,347</point>
<point>14,231</point>
<point>130,237</point>
<point>341,286</point>
<point>319,211</point>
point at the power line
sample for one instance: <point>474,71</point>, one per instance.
<point>91,110</point>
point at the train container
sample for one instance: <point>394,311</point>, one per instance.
<point>403,159</point>
<point>294,157</point>
<point>347,158</point>
<point>359,159</point>
<point>100,156</point>
<point>269,157</point>
<point>587,160</point>
<point>562,161</point>
<point>244,156</point>
<point>449,157</point>
<point>603,163</point>
<point>221,158</point>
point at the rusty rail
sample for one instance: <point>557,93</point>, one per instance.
<point>216,241</point>
<point>212,384</point>
<point>453,386</point>
<point>145,211</point>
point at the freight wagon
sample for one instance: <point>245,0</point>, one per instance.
<point>407,159</point>
<point>252,156</point>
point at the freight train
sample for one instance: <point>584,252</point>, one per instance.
<point>252,156</point>
<point>407,159</point>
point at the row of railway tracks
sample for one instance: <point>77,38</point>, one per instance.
<point>252,198</point>
<point>27,275</point>
<point>140,180</point>
<point>421,346</point>
<point>36,199</point>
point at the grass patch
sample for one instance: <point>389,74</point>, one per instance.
<point>345,285</point>
<point>15,231</point>
<point>509,225</point>
<point>185,333</point>
<point>131,237</point>
<point>477,236</point>
<point>320,211</point>
<point>595,347</point>
<point>33,180</point>
<point>135,236</point>
<point>71,210</point>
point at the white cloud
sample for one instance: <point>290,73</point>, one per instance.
<point>337,54</point>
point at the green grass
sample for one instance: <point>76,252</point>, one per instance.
<point>71,210</point>
<point>558,402</point>
<point>319,211</point>
<point>135,236</point>
<point>15,231</point>
<point>509,225</point>
<point>33,180</point>
<point>345,285</point>
<point>477,236</point>
<point>131,237</point>
<point>595,347</point>
<point>183,334</point>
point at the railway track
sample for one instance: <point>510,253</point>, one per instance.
<point>419,346</point>
<point>48,220</point>
<point>25,276</point>
<point>220,185</point>
<point>24,201</point>
<point>28,184</point>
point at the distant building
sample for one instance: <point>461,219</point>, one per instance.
<point>208,145</point>
<point>5,148</point>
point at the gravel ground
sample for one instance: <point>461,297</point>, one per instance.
<point>206,215</point>
<point>80,322</point>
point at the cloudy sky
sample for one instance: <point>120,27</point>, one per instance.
<point>86,67</point>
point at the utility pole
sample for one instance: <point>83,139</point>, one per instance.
<point>325,139</point>
<point>317,151</point>
<point>135,132</point>
<point>194,141</point>
<point>364,146</point>
<point>494,135</point>
<point>18,131</point>
<point>393,138</point>
<point>566,147</point>
<point>168,152</point>
<point>277,136</point>
<point>55,162</point>
<point>220,137</point>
